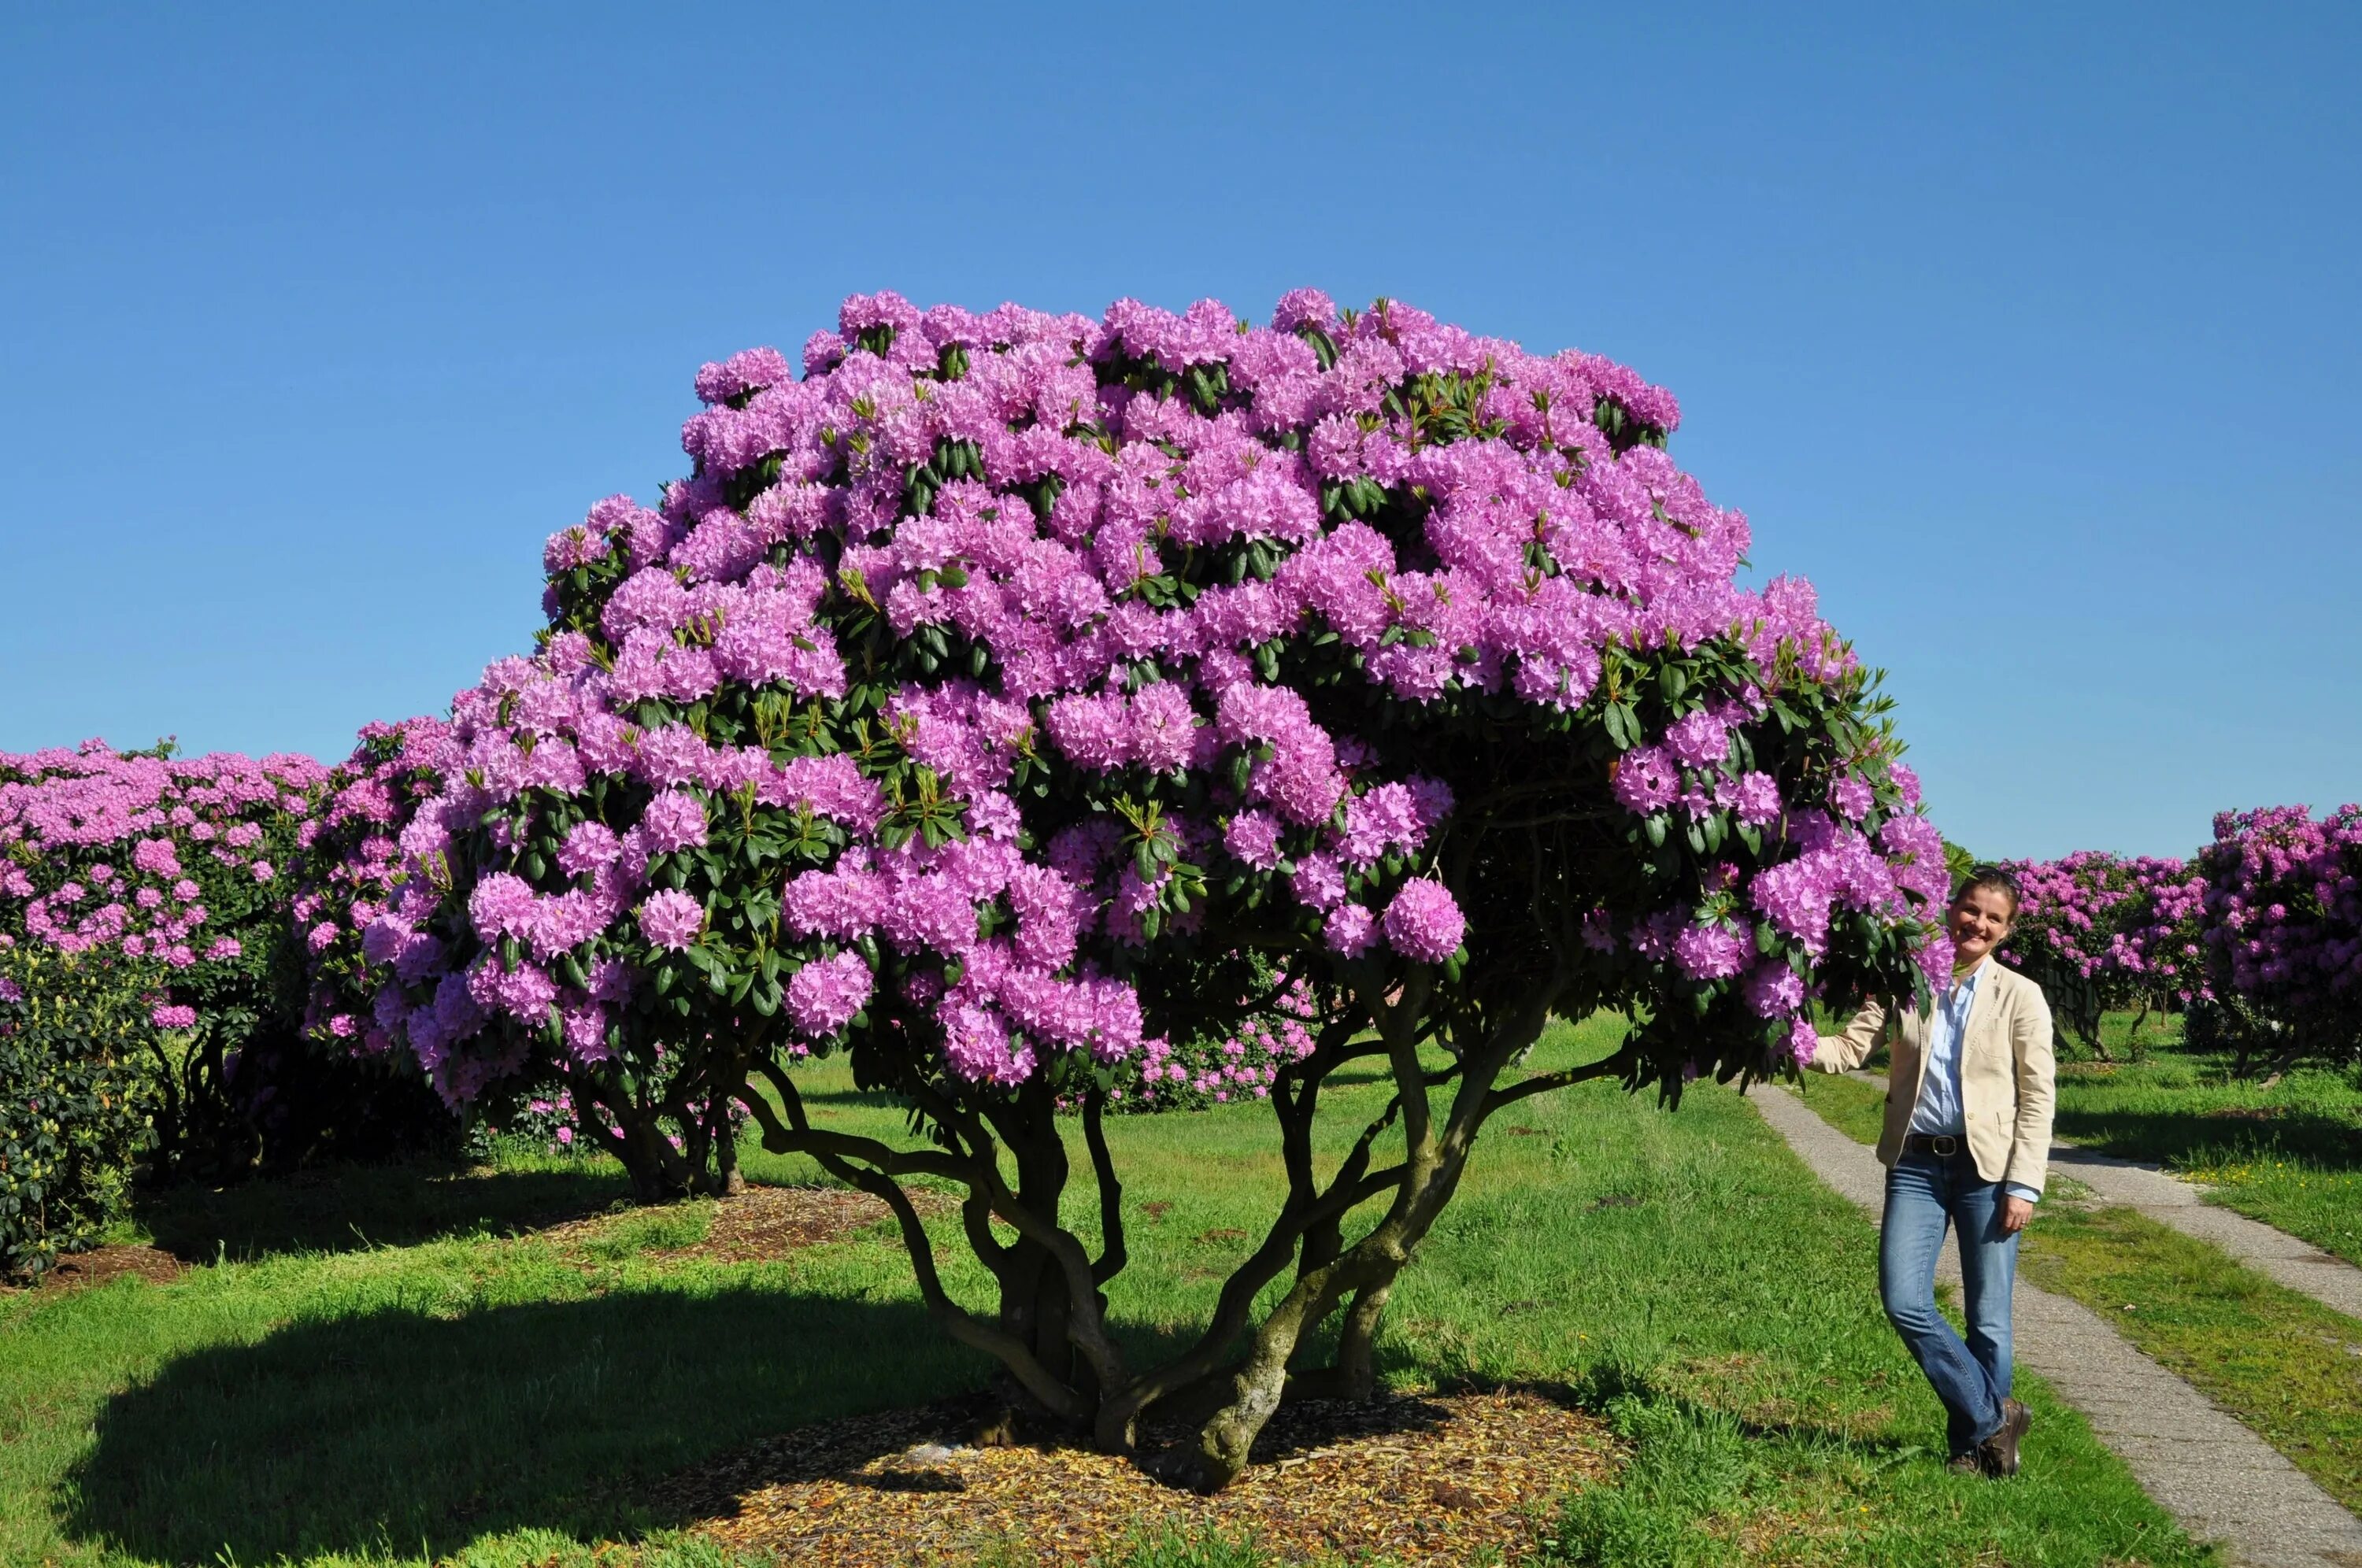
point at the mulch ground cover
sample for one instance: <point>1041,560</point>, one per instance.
<point>764,1223</point>
<point>100,1265</point>
<point>1432,1479</point>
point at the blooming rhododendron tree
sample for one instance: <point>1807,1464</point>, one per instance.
<point>2283,924</point>
<point>998,700</point>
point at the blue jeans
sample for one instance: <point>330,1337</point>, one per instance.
<point>1924,1195</point>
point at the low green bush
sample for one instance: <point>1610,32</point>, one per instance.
<point>73,1103</point>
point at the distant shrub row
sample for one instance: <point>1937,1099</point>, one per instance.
<point>2259,935</point>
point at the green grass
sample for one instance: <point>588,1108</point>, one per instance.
<point>2283,1363</point>
<point>2279,1360</point>
<point>2290,1155</point>
<point>452,1391</point>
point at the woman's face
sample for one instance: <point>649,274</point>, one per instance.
<point>1981,921</point>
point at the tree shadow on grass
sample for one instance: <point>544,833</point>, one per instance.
<point>396,1431</point>
<point>2227,1135</point>
<point>344,1209</point>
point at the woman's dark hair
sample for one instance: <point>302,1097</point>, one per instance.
<point>1994,878</point>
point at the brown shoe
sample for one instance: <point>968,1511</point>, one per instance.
<point>1965,1465</point>
<point>2000,1451</point>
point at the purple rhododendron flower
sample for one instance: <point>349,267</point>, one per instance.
<point>674,821</point>
<point>824,996</point>
<point>1253,837</point>
<point>1349,929</point>
<point>671,919</point>
<point>1424,921</point>
<point>1773,989</point>
<point>1710,952</point>
<point>1647,780</point>
<point>1802,1041</point>
<point>1852,796</point>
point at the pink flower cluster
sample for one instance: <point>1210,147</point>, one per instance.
<point>1240,1064</point>
<point>989,656</point>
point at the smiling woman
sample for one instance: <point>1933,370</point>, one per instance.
<point>1966,1144</point>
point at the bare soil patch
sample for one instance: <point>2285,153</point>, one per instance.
<point>1434,1480</point>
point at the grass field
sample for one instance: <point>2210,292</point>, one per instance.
<point>377,1371</point>
<point>2290,1155</point>
<point>2286,1365</point>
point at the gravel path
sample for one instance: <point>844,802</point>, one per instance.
<point>2220,1480</point>
<point>2169,1200</point>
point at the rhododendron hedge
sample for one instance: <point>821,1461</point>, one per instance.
<point>2099,931</point>
<point>170,868</point>
<point>174,872</point>
<point>1002,698</point>
<point>2283,927</point>
<point>2259,935</point>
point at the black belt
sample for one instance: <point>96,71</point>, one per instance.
<point>1943,1145</point>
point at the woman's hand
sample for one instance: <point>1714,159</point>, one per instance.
<point>2014,1213</point>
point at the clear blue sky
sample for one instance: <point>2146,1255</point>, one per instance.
<point>2030,334</point>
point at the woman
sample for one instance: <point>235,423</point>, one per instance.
<point>1967,1143</point>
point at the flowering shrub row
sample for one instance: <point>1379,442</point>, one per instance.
<point>167,871</point>
<point>173,875</point>
<point>165,861</point>
<point>2263,926</point>
<point>1242,1064</point>
<point>2100,931</point>
<point>2283,922</point>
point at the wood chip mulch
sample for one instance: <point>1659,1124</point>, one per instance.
<point>1435,1479</point>
<point>100,1265</point>
<point>764,1223</point>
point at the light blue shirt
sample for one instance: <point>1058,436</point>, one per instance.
<point>1939,1111</point>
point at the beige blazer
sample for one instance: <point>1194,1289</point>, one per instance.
<point>2007,1074</point>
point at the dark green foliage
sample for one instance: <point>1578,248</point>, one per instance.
<point>244,1094</point>
<point>72,1104</point>
<point>2229,1023</point>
